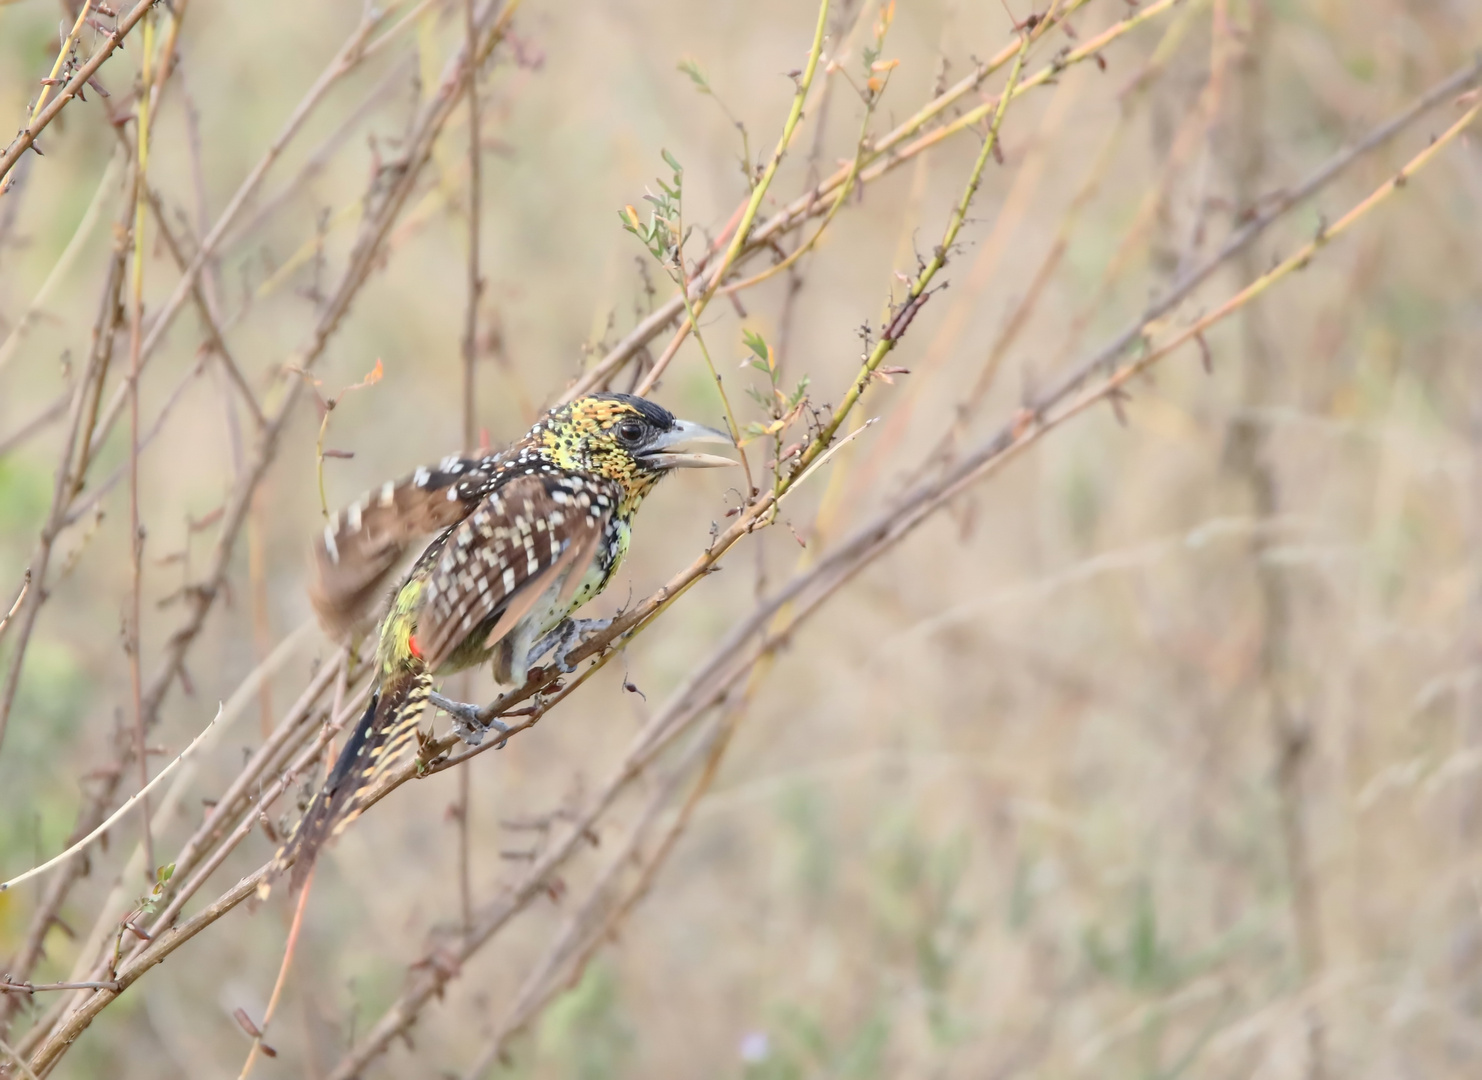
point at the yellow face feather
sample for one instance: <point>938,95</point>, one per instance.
<point>583,438</point>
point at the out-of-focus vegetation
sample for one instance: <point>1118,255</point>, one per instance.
<point>1155,754</point>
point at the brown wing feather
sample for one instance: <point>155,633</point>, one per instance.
<point>355,553</point>
<point>503,557</point>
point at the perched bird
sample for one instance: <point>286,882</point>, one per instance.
<point>522,539</point>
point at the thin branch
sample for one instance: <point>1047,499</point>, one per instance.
<point>67,44</point>
<point>20,598</point>
<point>135,641</point>
<point>277,994</point>
<point>39,988</point>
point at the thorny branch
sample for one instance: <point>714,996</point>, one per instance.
<point>27,138</point>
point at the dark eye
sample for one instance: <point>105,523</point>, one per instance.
<point>630,431</point>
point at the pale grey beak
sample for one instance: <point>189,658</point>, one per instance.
<point>686,431</point>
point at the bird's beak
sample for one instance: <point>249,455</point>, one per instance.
<point>686,431</point>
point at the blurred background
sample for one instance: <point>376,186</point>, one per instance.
<point>1156,756</point>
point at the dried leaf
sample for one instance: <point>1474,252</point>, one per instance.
<point>245,1023</point>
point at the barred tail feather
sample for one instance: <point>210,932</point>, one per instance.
<point>381,741</point>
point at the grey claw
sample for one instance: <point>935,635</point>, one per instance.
<point>471,736</point>
<point>564,639</point>
<point>467,724</point>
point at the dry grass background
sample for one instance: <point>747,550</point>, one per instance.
<point>1157,755</point>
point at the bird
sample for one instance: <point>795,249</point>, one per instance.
<point>522,538</point>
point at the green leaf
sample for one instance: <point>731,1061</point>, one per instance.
<point>164,873</point>
<point>692,68</point>
<point>797,395</point>
<point>675,165</point>
<point>755,342</point>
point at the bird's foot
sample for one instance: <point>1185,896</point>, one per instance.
<point>467,724</point>
<point>565,638</point>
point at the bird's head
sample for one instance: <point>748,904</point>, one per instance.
<point>624,438</point>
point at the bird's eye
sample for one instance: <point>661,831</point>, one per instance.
<point>630,431</point>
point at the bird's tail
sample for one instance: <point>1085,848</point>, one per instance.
<point>386,733</point>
